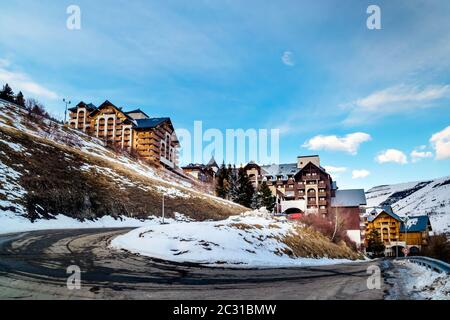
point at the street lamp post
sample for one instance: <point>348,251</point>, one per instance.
<point>67,102</point>
<point>406,236</point>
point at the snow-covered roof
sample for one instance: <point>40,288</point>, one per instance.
<point>349,198</point>
<point>283,170</point>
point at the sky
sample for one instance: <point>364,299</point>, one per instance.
<point>374,104</point>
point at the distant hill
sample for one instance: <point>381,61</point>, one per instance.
<point>430,197</point>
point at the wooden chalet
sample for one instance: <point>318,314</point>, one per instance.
<point>153,139</point>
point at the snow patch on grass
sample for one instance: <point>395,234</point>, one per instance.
<point>249,240</point>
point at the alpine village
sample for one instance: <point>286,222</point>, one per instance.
<point>301,190</point>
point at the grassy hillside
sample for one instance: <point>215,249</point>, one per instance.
<point>47,169</point>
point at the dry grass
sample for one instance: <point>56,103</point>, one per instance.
<point>306,242</point>
<point>52,176</point>
<point>244,226</point>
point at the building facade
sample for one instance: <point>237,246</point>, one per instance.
<point>201,172</point>
<point>398,233</point>
<point>153,139</point>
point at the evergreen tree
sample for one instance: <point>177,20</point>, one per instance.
<point>245,189</point>
<point>233,190</point>
<point>222,182</point>
<point>257,200</point>
<point>20,99</point>
<point>267,198</point>
<point>374,243</point>
<point>7,93</point>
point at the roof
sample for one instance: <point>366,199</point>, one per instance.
<point>149,123</point>
<point>312,156</point>
<point>349,198</point>
<point>386,209</point>
<point>137,111</point>
<point>282,170</point>
<point>212,163</point>
<point>90,107</point>
<point>416,224</point>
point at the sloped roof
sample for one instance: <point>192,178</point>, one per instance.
<point>349,198</point>
<point>149,123</point>
<point>373,214</point>
<point>283,170</point>
<point>137,111</point>
<point>90,107</point>
<point>212,163</point>
<point>416,224</point>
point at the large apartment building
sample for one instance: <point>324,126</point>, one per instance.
<point>153,139</point>
<point>305,187</point>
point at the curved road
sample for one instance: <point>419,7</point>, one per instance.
<point>33,266</point>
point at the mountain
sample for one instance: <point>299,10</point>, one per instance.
<point>430,197</point>
<point>48,171</point>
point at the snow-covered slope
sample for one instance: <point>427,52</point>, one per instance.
<point>430,197</point>
<point>253,239</point>
<point>48,170</point>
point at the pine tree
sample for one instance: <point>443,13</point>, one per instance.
<point>222,184</point>
<point>257,200</point>
<point>7,93</point>
<point>20,99</point>
<point>233,190</point>
<point>245,189</point>
<point>267,198</point>
<point>374,243</point>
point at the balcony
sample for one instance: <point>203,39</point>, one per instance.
<point>322,202</point>
<point>322,194</point>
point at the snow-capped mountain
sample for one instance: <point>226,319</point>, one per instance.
<point>430,197</point>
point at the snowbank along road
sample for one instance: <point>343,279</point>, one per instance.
<point>33,265</point>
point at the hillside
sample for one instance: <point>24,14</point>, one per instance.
<point>415,198</point>
<point>47,170</point>
<point>252,239</point>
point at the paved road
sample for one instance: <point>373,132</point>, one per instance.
<point>33,266</point>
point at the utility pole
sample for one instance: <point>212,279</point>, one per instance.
<point>163,210</point>
<point>67,102</point>
<point>406,236</point>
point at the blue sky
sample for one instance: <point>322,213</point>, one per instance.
<point>310,68</point>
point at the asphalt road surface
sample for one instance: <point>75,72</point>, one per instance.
<point>33,265</point>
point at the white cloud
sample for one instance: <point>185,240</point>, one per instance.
<point>335,171</point>
<point>392,155</point>
<point>395,100</point>
<point>349,143</point>
<point>288,58</point>
<point>441,143</point>
<point>420,153</point>
<point>22,82</point>
<point>358,174</point>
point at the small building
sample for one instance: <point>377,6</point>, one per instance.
<point>350,207</point>
<point>153,139</point>
<point>204,173</point>
<point>393,233</point>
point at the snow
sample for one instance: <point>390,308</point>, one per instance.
<point>12,223</point>
<point>10,190</point>
<point>14,146</point>
<point>13,117</point>
<point>420,283</point>
<point>249,240</point>
<point>431,197</point>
